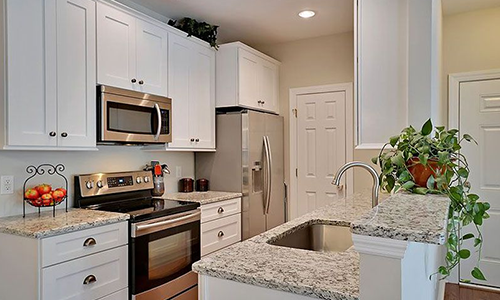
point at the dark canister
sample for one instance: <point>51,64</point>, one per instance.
<point>186,185</point>
<point>202,185</point>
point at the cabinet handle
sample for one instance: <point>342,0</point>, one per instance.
<point>192,140</point>
<point>89,242</point>
<point>133,80</point>
<point>141,82</point>
<point>89,280</point>
<point>220,210</point>
<point>64,134</point>
<point>52,133</point>
<point>220,234</point>
<point>197,140</point>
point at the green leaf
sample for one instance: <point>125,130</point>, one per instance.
<point>478,219</point>
<point>486,205</point>
<point>394,140</point>
<point>375,160</point>
<point>474,197</point>
<point>439,128</point>
<point>423,159</point>
<point>477,242</point>
<point>443,271</point>
<point>464,253</point>
<point>398,160</point>
<point>390,183</point>
<point>476,273</point>
<point>468,236</point>
<point>408,185</point>
<point>431,182</point>
<point>462,172</point>
<point>427,128</point>
<point>469,138</point>
<point>420,191</point>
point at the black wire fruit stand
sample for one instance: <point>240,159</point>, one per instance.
<point>40,171</point>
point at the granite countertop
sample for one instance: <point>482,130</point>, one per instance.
<point>323,275</point>
<point>407,217</point>
<point>44,225</point>
<point>203,197</point>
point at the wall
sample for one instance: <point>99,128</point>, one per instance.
<point>470,43</point>
<point>316,61</point>
<point>107,159</point>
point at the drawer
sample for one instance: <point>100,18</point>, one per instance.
<point>221,233</point>
<point>67,280</point>
<point>120,295</point>
<point>214,211</point>
<point>72,245</point>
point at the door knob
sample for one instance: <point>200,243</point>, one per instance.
<point>133,80</point>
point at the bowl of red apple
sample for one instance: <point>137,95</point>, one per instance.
<point>43,195</point>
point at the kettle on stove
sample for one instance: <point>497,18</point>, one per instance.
<point>158,170</point>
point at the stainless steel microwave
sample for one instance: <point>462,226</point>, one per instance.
<point>129,117</point>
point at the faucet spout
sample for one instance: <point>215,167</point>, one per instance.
<point>370,169</point>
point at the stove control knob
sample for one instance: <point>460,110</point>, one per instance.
<point>100,184</point>
<point>138,180</point>
<point>146,179</point>
<point>89,184</point>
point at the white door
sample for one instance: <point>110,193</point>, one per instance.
<point>321,148</point>
<point>179,61</point>
<point>116,52</point>
<point>249,77</point>
<point>31,73</point>
<point>76,73</point>
<point>152,58</point>
<point>202,95</point>
<point>269,86</point>
<point>480,117</point>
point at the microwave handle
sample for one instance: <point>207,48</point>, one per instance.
<point>158,112</point>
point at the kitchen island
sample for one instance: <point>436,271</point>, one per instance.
<point>258,269</point>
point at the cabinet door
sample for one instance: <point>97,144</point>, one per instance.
<point>116,52</point>
<point>268,84</point>
<point>179,61</point>
<point>31,73</point>
<point>249,72</point>
<point>152,58</point>
<point>76,96</point>
<point>202,97</point>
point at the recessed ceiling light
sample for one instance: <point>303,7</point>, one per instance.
<point>306,14</point>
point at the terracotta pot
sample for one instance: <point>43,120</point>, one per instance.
<point>422,173</point>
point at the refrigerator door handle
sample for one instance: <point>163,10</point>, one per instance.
<point>265,176</point>
<point>269,174</point>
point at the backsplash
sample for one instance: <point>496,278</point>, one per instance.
<point>107,159</point>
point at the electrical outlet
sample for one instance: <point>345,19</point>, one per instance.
<point>7,185</point>
<point>178,171</point>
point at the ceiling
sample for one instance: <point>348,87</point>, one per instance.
<point>451,7</point>
<point>260,22</point>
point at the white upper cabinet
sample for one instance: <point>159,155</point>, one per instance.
<point>50,75</point>
<point>246,78</point>
<point>192,89</point>
<point>131,53</point>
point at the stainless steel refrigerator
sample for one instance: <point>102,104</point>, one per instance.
<point>249,159</point>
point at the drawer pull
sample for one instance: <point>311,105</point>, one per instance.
<point>89,242</point>
<point>220,210</point>
<point>89,280</point>
<point>220,234</point>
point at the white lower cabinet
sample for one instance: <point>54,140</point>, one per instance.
<point>220,225</point>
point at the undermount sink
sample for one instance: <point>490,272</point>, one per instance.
<point>318,237</point>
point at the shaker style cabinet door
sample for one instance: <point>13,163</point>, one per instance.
<point>76,73</point>
<point>116,48</point>
<point>269,86</point>
<point>203,96</point>
<point>249,73</point>
<point>31,72</point>
<point>152,59</point>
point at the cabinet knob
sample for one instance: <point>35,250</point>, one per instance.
<point>52,133</point>
<point>133,80</point>
<point>197,140</point>
<point>263,102</point>
<point>141,82</point>
<point>259,102</point>
<point>220,234</point>
<point>64,134</point>
<point>89,242</point>
<point>220,210</point>
<point>89,280</point>
<point>192,140</point>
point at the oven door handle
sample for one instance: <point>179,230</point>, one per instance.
<point>158,112</point>
<point>138,230</point>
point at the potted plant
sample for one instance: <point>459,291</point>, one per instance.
<point>201,30</point>
<point>424,162</point>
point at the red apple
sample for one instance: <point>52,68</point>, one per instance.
<point>38,201</point>
<point>31,194</point>
<point>43,189</point>
<point>57,195</point>
<point>62,190</point>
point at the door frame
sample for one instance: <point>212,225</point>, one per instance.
<point>454,81</point>
<point>347,88</point>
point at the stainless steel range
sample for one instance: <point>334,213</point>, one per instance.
<point>164,235</point>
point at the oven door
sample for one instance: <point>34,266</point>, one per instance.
<point>131,120</point>
<point>162,252</point>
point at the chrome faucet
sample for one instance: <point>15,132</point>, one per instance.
<point>376,180</point>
